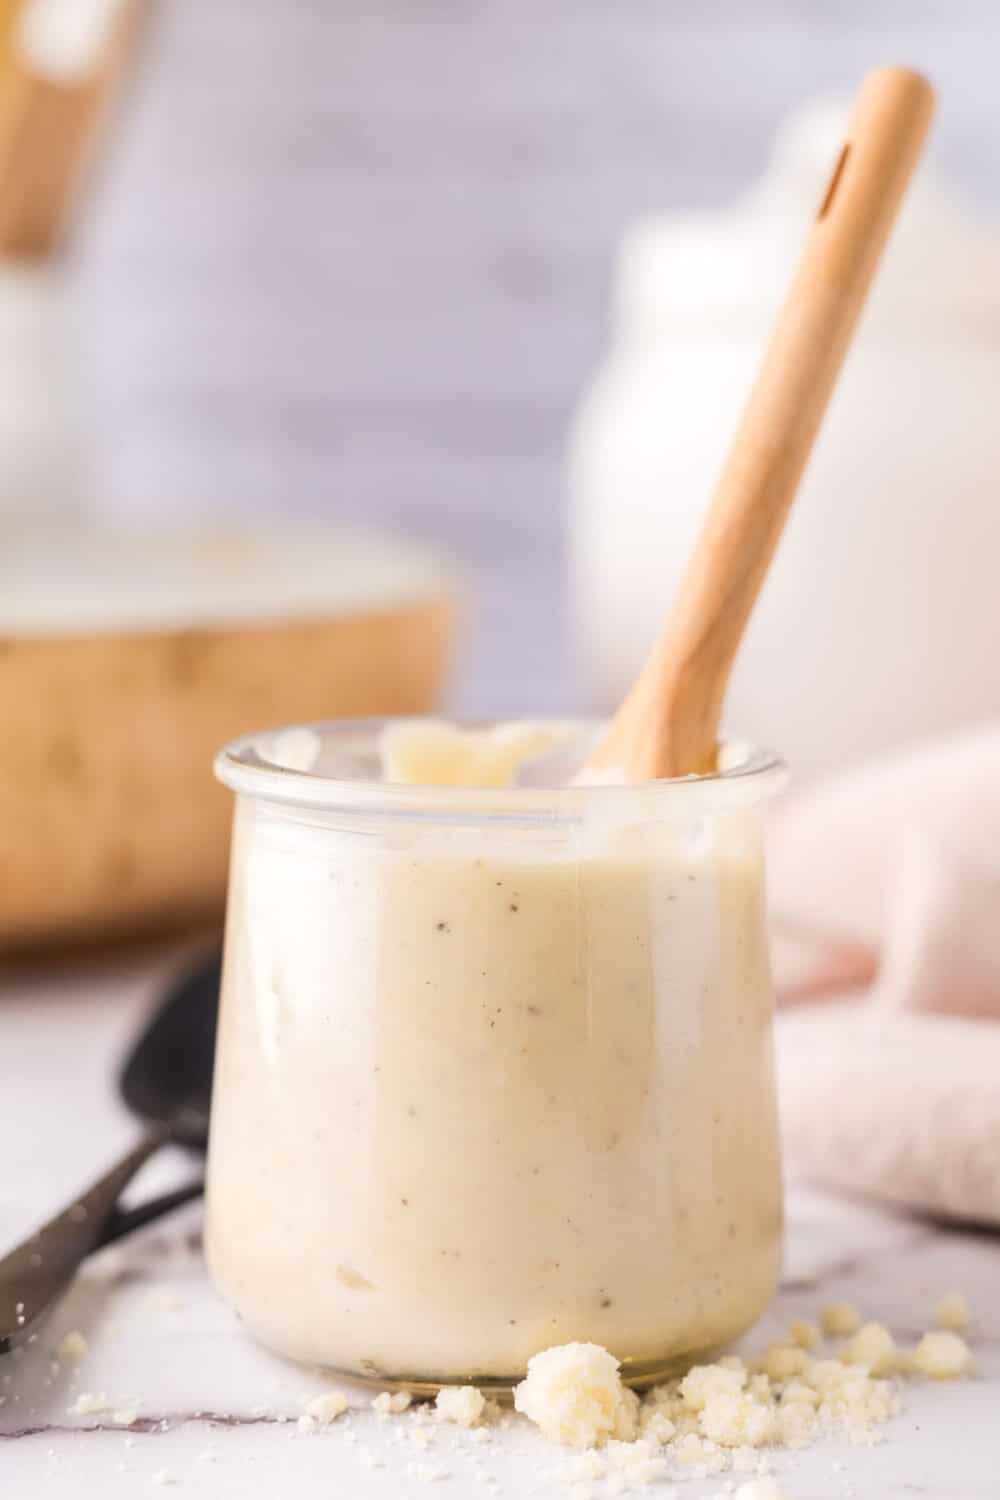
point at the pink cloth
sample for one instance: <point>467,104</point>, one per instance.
<point>885,889</point>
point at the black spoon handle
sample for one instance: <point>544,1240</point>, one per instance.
<point>40,1269</point>
<point>123,1221</point>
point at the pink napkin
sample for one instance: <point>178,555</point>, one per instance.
<point>885,894</point>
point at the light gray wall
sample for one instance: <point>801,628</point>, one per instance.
<point>350,257</point>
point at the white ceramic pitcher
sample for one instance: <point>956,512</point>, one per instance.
<point>880,620</point>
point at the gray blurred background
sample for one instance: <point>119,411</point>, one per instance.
<point>352,259</point>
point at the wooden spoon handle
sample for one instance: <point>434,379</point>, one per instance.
<point>669,724</point>
<point>49,122</point>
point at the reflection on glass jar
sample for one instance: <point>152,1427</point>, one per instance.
<point>495,1067</point>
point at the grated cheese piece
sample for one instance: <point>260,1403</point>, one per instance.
<point>391,1403</point>
<point>90,1403</point>
<point>872,1346</point>
<point>953,1312</point>
<point>760,1489</point>
<point>705,1383</point>
<point>575,1395</point>
<point>72,1348</point>
<point>462,1404</point>
<point>804,1333</point>
<point>840,1319</point>
<point>782,1361</point>
<point>321,1410</point>
<point>942,1355</point>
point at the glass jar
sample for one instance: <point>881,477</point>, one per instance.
<point>495,1067</point>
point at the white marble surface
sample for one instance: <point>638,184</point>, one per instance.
<point>215,1414</point>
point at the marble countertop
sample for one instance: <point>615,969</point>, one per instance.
<point>215,1416</point>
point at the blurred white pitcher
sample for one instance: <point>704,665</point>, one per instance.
<point>880,619</point>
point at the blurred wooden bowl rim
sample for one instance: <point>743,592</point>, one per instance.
<point>110,819</point>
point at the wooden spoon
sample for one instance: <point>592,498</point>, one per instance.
<point>668,724</point>
<point>50,119</point>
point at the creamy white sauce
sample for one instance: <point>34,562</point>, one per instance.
<point>486,1089</point>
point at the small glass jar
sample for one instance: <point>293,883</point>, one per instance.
<point>495,1067</point>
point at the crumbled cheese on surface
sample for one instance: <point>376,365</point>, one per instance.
<point>715,1417</point>
<point>426,1473</point>
<point>164,1476</point>
<point>942,1355</point>
<point>462,1404</point>
<point>873,1346</point>
<point>321,1410</point>
<point>953,1312</point>
<point>72,1348</point>
<point>840,1319</point>
<point>704,1383</point>
<point>391,1403</point>
<point>782,1361</point>
<point>89,1403</point>
<point>741,1421</point>
<point>125,1416</point>
<point>804,1333</point>
<point>760,1489</point>
<point>575,1395</point>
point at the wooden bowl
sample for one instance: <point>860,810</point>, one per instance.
<point>125,665</point>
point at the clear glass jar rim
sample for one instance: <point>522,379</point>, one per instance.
<point>753,775</point>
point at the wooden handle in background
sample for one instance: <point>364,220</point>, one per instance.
<point>669,724</point>
<point>48,127</point>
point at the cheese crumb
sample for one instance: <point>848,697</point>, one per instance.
<point>462,1404</point>
<point>72,1348</point>
<point>782,1361</point>
<point>703,1383</point>
<point>942,1356</point>
<point>873,1346</point>
<point>589,1465</point>
<point>164,1476</point>
<point>89,1403</point>
<point>574,1394</point>
<point>391,1403</point>
<point>426,1473</point>
<point>840,1319</point>
<point>760,1489</point>
<point>804,1333</point>
<point>739,1421</point>
<point>953,1312</point>
<point>322,1410</point>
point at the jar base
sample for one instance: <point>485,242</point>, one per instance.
<point>638,1376</point>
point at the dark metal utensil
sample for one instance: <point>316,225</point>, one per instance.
<point>167,1083</point>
